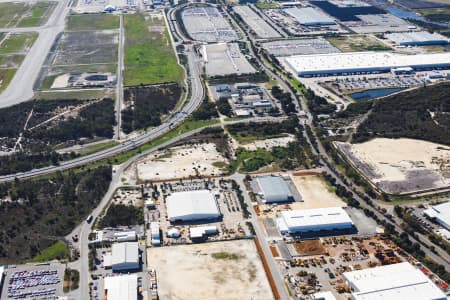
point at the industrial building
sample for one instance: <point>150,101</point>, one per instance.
<point>392,282</point>
<point>125,256</point>
<point>417,38</point>
<point>274,189</point>
<point>323,296</point>
<point>200,233</point>
<point>121,287</point>
<point>311,220</point>
<point>334,64</point>
<point>155,234</point>
<point>440,213</point>
<point>125,236</point>
<point>191,206</point>
<point>309,16</point>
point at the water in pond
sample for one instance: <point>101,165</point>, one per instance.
<point>404,14</point>
<point>373,93</point>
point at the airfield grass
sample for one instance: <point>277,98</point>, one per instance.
<point>93,22</point>
<point>58,250</point>
<point>24,14</point>
<point>6,75</point>
<point>436,14</point>
<point>352,43</point>
<point>75,94</point>
<point>149,57</point>
<point>267,4</point>
<point>11,60</point>
<point>16,43</point>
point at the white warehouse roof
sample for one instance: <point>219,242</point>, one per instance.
<point>442,214</point>
<point>315,219</point>
<point>392,282</point>
<point>192,205</point>
<point>121,287</point>
<point>310,16</point>
<point>417,38</point>
<point>125,256</point>
<point>274,189</point>
<point>323,296</point>
<point>338,63</point>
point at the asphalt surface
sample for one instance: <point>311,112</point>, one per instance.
<point>196,98</point>
<point>20,89</point>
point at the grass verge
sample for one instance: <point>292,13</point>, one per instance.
<point>58,250</point>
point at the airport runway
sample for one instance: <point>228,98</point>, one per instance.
<point>20,88</point>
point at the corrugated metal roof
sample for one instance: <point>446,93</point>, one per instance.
<point>121,287</point>
<point>191,203</point>
<point>392,282</point>
<point>125,253</point>
<point>273,186</point>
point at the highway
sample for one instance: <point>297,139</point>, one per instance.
<point>20,89</point>
<point>326,161</point>
<point>196,97</point>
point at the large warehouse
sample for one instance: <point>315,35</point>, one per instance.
<point>441,213</point>
<point>316,219</point>
<point>121,287</point>
<point>125,256</point>
<point>274,189</point>
<point>333,64</point>
<point>392,282</point>
<point>191,206</point>
<point>417,38</point>
<point>309,16</point>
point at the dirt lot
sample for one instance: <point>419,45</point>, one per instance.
<point>401,165</point>
<point>268,144</point>
<point>315,193</point>
<point>309,247</point>
<point>180,162</point>
<point>221,270</point>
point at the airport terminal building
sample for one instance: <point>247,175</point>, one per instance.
<point>335,64</point>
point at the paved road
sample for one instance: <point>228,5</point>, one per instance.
<point>442,257</point>
<point>275,270</point>
<point>196,97</point>
<point>20,88</point>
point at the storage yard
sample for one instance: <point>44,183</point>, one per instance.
<point>179,162</point>
<point>299,47</point>
<point>195,211</point>
<point>225,59</point>
<point>331,259</point>
<point>400,165</point>
<point>298,22</point>
<point>207,24</point>
<point>261,28</point>
<point>33,281</point>
<point>226,270</point>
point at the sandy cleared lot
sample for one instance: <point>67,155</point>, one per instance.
<point>401,165</point>
<point>200,272</point>
<point>268,144</point>
<point>180,162</point>
<point>315,193</point>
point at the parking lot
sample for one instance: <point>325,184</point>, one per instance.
<point>232,225</point>
<point>299,47</point>
<point>40,281</point>
<point>256,23</point>
<point>207,24</point>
